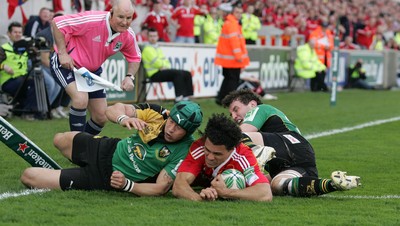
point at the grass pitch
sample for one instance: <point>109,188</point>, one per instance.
<point>371,152</point>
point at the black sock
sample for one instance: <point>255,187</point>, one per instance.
<point>77,119</point>
<point>92,127</point>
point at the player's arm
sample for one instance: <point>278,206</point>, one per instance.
<point>162,185</point>
<point>65,60</point>
<point>128,82</point>
<point>182,188</point>
<point>245,127</point>
<point>257,192</point>
<point>125,115</point>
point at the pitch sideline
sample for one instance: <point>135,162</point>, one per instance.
<point>311,136</point>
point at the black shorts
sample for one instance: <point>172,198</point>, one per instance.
<point>94,156</point>
<point>293,151</point>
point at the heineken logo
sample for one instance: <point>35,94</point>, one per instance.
<point>22,147</point>
<point>5,133</point>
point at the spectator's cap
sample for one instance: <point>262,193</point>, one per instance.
<point>226,7</point>
<point>187,115</point>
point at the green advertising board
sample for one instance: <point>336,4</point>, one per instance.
<point>114,70</point>
<point>373,63</point>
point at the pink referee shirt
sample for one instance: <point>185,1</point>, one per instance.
<point>90,41</point>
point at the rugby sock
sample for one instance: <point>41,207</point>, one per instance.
<point>92,127</point>
<point>247,141</point>
<point>307,186</point>
<point>77,119</point>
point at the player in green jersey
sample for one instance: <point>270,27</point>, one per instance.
<point>293,171</point>
<point>145,163</point>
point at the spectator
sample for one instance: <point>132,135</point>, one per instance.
<point>365,34</point>
<point>14,78</point>
<point>231,50</point>
<point>348,43</point>
<point>90,43</point>
<point>158,69</point>
<point>183,19</point>
<point>217,150</point>
<point>323,39</point>
<point>158,20</point>
<point>212,27</point>
<point>38,23</point>
<point>142,36</point>
<point>251,25</point>
<point>378,42</point>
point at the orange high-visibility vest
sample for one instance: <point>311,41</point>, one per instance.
<point>231,47</point>
<point>318,35</point>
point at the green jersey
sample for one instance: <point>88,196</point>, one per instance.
<point>269,119</point>
<point>144,154</point>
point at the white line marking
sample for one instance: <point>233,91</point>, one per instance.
<point>347,129</point>
<point>361,197</point>
<point>25,192</point>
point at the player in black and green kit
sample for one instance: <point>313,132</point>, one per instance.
<point>293,171</point>
<point>144,163</point>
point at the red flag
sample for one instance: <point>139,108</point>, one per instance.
<point>12,4</point>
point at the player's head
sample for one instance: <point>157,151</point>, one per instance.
<point>221,136</point>
<point>239,102</point>
<point>184,118</point>
<point>121,15</point>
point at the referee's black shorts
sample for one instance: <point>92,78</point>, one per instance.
<point>94,156</point>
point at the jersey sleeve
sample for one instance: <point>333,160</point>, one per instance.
<point>131,50</point>
<point>256,117</point>
<point>194,161</point>
<point>181,152</point>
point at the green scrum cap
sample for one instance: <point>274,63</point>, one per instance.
<point>187,115</point>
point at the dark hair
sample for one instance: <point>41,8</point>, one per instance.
<point>152,29</point>
<point>222,130</point>
<point>13,24</point>
<point>242,95</point>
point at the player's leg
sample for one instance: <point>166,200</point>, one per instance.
<point>64,142</point>
<point>97,108</point>
<point>35,177</point>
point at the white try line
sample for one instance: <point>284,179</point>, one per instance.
<point>347,129</point>
<point>22,193</point>
<point>360,197</point>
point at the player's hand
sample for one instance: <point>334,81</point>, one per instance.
<point>127,84</point>
<point>219,185</point>
<point>117,180</point>
<point>209,194</point>
<point>66,61</point>
<point>134,123</point>
<point>8,69</point>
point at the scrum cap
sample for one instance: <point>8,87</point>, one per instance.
<point>187,115</point>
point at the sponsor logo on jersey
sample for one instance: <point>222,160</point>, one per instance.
<point>117,46</point>
<point>139,151</point>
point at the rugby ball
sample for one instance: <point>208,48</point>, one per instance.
<point>233,179</point>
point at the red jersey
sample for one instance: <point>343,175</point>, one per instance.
<point>158,22</point>
<point>241,158</point>
<point>185,18</point>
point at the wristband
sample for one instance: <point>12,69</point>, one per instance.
<point>121,118</point>
<point>1,66</point>
<point>128,185</point>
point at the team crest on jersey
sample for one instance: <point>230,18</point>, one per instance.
<point>139,151</point>
<point>164,152</point>
<point>117,46</point>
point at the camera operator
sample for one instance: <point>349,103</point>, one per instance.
<point>357,77</point>
<point>14,72</point>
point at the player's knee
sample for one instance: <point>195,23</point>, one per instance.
<point>57,139</point>
<point>80,102</point>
